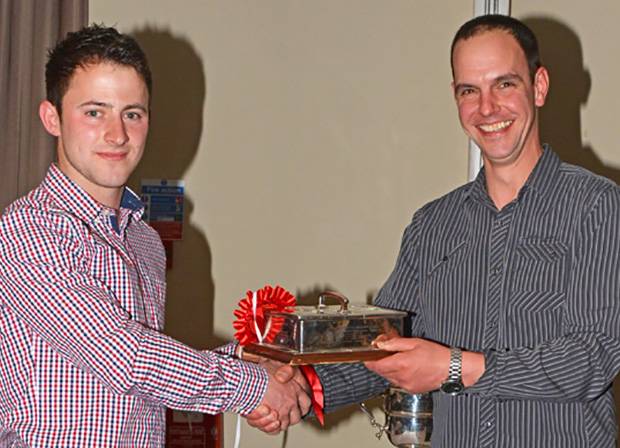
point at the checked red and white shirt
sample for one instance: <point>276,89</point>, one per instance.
<point>83,362</point>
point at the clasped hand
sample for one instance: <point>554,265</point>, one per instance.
<point>286,401</point>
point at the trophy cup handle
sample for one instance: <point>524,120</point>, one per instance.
<point>373,421</point>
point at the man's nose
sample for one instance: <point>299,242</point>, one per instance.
<point>488,104</point>
<point>116,134</point>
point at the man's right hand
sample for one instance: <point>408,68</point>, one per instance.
<point>286,401</point>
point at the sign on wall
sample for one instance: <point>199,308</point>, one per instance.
<point>163,203</point>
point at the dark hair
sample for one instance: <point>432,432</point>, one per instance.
<point>523,35</point>
<point>91,45</point>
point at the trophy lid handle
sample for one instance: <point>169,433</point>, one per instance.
<point>344,302</point>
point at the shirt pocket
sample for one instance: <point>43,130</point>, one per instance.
<point>537,297</point>
<point>545,250</point>
<point>444,299</point>
<point>447,260</point>
<point>540,264</point>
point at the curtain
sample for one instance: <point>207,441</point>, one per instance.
<point>28,28</point>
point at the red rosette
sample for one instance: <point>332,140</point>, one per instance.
<point>268,298</point>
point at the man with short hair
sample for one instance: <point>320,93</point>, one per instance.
<point>83,361</point>
<point>512,280</point>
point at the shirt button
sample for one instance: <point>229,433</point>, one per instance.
<point>497,270</point>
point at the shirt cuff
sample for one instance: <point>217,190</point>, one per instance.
<point>486,383</point>
<point>250,389</point>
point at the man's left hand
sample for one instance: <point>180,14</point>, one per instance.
<point>417,366</point>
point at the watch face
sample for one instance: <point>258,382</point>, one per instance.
<point>452,387</point>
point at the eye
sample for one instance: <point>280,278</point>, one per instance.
<point>506,84</point>
<point>92,113</point>
<point>465,92</point>
<point>133,115</point>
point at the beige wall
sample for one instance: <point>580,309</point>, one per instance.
<point>307,133</point>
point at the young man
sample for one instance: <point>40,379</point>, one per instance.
<point>82,279</point>
<point>512,279</point>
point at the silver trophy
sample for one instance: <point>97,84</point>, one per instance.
<point>324,334</point>
<point>408,418</point>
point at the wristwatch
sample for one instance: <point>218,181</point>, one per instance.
<point>453,385</point>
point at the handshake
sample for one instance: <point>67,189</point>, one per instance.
<point>416,365</point>
<point>286,400</point>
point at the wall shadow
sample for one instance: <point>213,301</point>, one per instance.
<point>179,94</point>
<point>570,83</point>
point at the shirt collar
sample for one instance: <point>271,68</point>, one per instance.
<point>543,176</point>
<point>540,180</point>
<point>70,197</point>
<point>131,201</point>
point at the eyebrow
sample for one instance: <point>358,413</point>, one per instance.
<point>499,79</point>
<point>109,106</point>
<point>508,77</point>
<point>463,86</point>
<point>136,106</point>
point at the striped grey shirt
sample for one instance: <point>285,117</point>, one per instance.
<point>535,287</point>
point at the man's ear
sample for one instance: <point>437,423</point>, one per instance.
<point>50,118</point>
<point>541,86</point>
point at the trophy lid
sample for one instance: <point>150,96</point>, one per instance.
<point>344,310</point>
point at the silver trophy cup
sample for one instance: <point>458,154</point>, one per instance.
<point>408,418</point>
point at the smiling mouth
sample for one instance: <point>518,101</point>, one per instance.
<point>495,127</point>
<point>112,155</point>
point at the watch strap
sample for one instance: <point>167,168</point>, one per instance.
<point>453,385</point>
<point>455,370</point>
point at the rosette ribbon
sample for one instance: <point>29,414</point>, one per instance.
<point>252,324</point>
